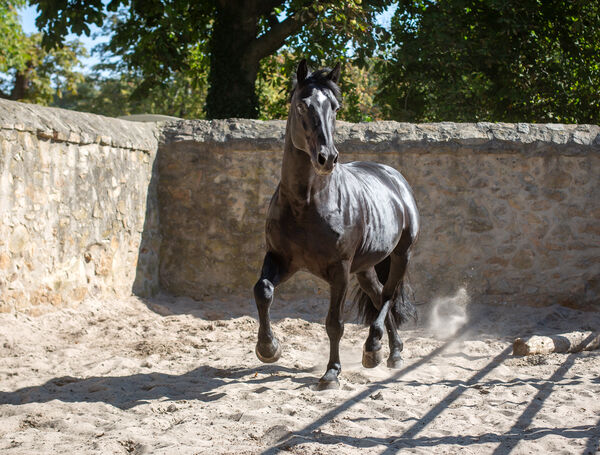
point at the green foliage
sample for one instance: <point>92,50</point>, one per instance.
<point>12,55</point>
<point>112,96</point>
<point>50,74</point>
<point>358,84</point>
<point>495,60</point>
<point>338,31</point>
<point>156,38</point>
<point>58,18</point>
<point>29,72</point>
<point>274,84</point>
<point>341,31</point>
<point>115,89</point>
<point>44,74</point>
<point>459,60</point>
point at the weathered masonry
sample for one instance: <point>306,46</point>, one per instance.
<point>78,214</point>
<point>94,206</point>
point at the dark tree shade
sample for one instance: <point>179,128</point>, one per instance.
<point>157,37</point>
<point>495,60</point>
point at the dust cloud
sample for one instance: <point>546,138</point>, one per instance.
<point>448,314</point>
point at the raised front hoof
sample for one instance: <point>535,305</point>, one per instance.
<point>394,362</point>
<point>329,381</point>
<point>371,359</point>
<point>268,353</point>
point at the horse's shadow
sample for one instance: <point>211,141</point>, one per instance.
<point>204,383</point>
<point>313,309</point>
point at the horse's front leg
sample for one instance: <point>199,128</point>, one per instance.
<point>273,272</point>
<point>335,328</point>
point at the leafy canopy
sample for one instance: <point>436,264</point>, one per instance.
<point>28,71</point>
<point>225,39</point>
<point>12,53</point>
<point>496,60</point>
<point>458,60</point>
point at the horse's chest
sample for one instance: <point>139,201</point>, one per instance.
<point>309,236</point>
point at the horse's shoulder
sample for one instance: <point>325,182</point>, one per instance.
<point>371,168</point>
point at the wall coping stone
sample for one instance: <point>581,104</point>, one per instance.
<point>392,136</point>
<point>75,127</point>
<point>64,125</point>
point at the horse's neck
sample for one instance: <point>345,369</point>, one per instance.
<point>299,181</point>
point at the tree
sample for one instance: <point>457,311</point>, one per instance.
<point>358,84</point>
<point>111,95</point>
<point>31,73</point>
<point>157,37</point>
<point>11,35</point>
<point>495,60</point>
<point>42,75</point>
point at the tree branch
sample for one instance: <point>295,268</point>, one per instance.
<point>266,6</point>
<point>274,38</point>
<point>272,19</point>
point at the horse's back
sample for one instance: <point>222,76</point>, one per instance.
<point>380,177</point>
<point>388,205</point>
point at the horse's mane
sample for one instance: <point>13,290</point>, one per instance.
<point>318,77</point>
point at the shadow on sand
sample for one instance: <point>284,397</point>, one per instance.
<point>126,392</point>
<point>209,384</point>
<point>521,429</point>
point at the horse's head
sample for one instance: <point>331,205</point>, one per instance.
<point>314,103</point>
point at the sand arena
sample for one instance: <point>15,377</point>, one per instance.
<point>96,209</point>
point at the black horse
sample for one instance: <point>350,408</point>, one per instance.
<point>333,220</point>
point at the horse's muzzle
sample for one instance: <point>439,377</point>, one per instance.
<point>325,162</point>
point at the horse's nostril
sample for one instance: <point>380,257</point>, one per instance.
<point>335,159</point>
<point>322,159</point>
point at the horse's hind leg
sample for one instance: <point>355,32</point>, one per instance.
<point>396,345</point>
<point>268,349</point>
<point>384,299</point>
<point>369,283</point>
<point>372,355</point>
<point>395,288</point>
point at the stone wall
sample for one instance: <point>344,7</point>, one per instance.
<point>509,211</point>
<point>78,213</point>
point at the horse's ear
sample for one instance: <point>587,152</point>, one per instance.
<point>334,74</point>
<point>302,71</point>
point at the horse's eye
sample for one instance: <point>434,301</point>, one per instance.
<point>301,108</point>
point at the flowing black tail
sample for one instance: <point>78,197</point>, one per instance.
<point>401,309</point>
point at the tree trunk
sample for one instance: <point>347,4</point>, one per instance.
<point>21,84</point>
<point>233,69</point>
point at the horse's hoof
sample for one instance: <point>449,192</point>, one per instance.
<point>394,362</point>
<point>270,352</point>
<point>371,359</point>
<point>329,380</point>
<point>328,385</point>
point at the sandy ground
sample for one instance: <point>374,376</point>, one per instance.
<point>174,376</point>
